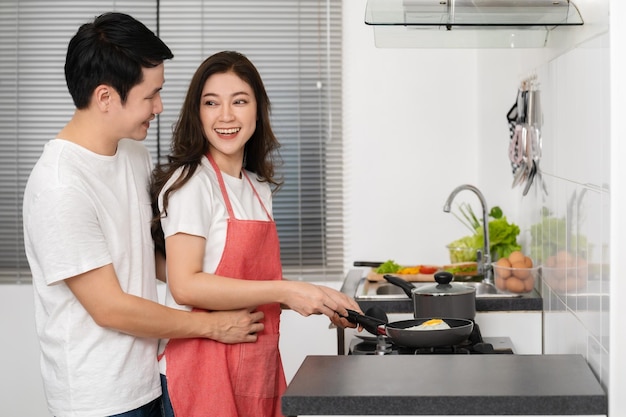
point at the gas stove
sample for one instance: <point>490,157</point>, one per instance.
<point>474,344</point>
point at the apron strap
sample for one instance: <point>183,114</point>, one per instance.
<point>229,207</point>
<point>269,216</point>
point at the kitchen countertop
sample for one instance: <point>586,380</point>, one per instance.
<point>403,304</point>
<point>444,385</point>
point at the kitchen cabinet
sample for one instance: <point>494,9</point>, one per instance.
<point>524,328</point>
<point>301,336</point>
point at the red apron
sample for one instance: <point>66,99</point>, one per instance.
<point>209,378</point>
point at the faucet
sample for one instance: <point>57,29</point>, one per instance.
<point>482,257</point>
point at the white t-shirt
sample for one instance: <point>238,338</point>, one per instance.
<point>83,211</point>
<point>198,209</point>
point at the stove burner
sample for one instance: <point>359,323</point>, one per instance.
<point>439,350</point>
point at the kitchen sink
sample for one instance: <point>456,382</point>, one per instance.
<point>382,290</point>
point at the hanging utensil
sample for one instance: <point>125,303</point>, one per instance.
<point>534,147</point>
<point>511,118</point>
<point>531,177</point>
<point>516,154</point>
<point>517,147</point>
<point>537,147</point>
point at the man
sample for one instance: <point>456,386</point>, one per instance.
<point>87,234</point>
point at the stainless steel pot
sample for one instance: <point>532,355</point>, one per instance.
<point>446,299</point>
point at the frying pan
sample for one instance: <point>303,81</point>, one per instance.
<point>400,333</point>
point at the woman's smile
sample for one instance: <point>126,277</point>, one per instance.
<point>227,132</point>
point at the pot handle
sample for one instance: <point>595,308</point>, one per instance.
<point>406,286</point>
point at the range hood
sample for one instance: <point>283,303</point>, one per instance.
<point>468,23</point>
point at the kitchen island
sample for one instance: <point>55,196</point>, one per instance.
<point>445,385</point>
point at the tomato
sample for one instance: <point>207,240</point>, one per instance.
<point>424,269</point>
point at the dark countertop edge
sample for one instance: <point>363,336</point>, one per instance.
<point>318,390</point>
<point>479,405</point>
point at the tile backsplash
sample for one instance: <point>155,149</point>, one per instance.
<point>569,232</point>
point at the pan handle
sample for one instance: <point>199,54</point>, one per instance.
<point>406,286</point>
<point>371,324</point>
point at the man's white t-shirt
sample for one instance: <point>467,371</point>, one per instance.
<point>83,211</point>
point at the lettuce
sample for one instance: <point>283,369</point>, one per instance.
<point>464,249</point>
<point>502,236</point>
<point>388,267</point>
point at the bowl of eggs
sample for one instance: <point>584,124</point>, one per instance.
<point>515,274</point>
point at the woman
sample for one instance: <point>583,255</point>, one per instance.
<point>214,205</point>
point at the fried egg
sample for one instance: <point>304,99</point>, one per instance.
<point>432,324</point>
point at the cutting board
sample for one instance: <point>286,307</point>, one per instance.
<point>373,276</point>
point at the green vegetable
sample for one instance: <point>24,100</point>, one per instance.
<point>388,267</point>
<point>502,235</point>
<point>462,269</point>
<point>468,218</point>
<point>464,249</point>
<point>496,212</point>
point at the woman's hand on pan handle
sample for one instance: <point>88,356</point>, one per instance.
<point>343,302</point>
<point>307,299</point>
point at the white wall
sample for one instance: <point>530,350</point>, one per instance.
<point>21,389</point>
<point>410,139</point>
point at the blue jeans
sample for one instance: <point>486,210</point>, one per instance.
<point>152,409</point>
<point>166,404</point>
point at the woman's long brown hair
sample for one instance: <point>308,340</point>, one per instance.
<point>189,144</point>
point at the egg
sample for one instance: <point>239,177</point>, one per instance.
<point>502,268</point>
<point>516,256</point>
<point>432,324</point>
<point>520,270</point>
<point>515,285</point>
<point>528,262</point>
<point>529,284</point>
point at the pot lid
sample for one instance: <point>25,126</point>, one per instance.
<point>444,286</point>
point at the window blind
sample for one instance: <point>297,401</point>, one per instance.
<point>34,101</point>
<point>295,44</point>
